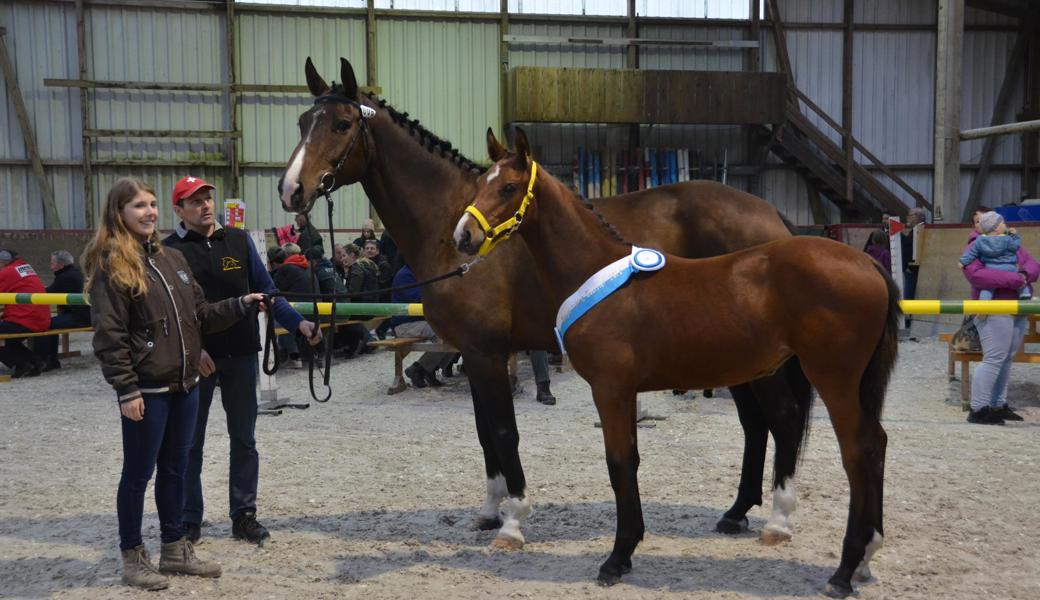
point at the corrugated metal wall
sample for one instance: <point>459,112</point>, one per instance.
<point>446,74</point>
<point>272,49</point>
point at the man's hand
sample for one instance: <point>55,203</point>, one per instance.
<point>133,410</point>
<point>310,331</point>
<point>206,365</point>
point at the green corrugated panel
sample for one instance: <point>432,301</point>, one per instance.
<point>445,74</point>
<point>272,49</point>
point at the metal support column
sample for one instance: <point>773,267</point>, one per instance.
<point>949,49</point>
<point>231,144</point>
<point>846,97</point>
<point>84,116</point>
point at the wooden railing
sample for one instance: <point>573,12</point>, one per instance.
<point>845,134</point>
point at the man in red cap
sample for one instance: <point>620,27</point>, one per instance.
<point>226,264</point>
<point>18,276</point>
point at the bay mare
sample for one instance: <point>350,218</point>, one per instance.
<point>705,323</point>
<point>419,185</point>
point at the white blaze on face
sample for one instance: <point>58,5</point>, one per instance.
<point>460,228</point>
<point>784,501</point>
<point>291,181</point>
<point>493,173</point>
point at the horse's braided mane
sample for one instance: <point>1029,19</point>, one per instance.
<point>426,138</point>
<point>602,220</point>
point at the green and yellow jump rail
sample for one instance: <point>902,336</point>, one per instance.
<point>910,307</point>
<point>305,308</point>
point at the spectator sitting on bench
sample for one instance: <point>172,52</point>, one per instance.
<point>386,278</point>
<point>18,276</point>
<point>361,275</point>
<point>68,279</point>
<point>368,232</point>
<point>423,371</point>
<point>291,274</point>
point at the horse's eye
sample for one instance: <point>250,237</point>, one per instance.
<point>342,126</point>
<point>509,189</point>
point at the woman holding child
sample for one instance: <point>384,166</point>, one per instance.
<point>1001,335</point>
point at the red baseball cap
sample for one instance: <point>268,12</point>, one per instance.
<point>188,186</point>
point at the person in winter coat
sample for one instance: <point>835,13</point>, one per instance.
<point>1001,335</point>
<point>149,318</point>
<point>310,237</point>
<point>18,276</point>
<point>68,279</point>
<point>292,275</point>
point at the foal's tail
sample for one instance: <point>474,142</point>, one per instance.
<point>875,378</point>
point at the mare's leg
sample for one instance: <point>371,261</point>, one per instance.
<point>617,412</point>
<point>752,420</point>
<point>507,504</point>
<point>786,400</point>
<point>862,441</point>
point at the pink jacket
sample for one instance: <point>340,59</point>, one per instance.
<point>1004,283</point>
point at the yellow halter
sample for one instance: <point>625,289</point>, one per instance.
<point>493,236</point>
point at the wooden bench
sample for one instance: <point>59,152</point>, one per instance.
<point>403,346</point>
<point>64,333</point>
<point>965,358</point>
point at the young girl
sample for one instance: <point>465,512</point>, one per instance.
<point>149,315</point>
<point>997,248</point>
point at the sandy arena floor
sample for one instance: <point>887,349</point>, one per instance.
<point>371,496</point>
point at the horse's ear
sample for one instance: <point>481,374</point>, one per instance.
<point>523,149</point>
<point>346,73</point>
<point>315,83</point>
<point>495,149</point>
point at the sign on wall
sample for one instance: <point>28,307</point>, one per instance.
<point>235,213</point>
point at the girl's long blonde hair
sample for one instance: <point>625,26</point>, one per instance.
<point>115,250</point>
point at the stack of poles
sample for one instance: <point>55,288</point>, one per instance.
<point>598,174</point>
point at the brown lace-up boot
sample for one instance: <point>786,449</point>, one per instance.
<point>179,557</point>
<point>139,572</point>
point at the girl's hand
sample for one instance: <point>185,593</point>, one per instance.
<point>133,410</point>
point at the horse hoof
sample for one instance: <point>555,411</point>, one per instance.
<point>486,523</point>
<point>773,537</point>
<point>862,574</point>
<point>729,526</point>
<point>608,579</point>
<point>838,589</point>
<point>504,542</point>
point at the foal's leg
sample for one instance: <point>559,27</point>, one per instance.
<point>756,435</point>
<point>862,441</point>
<point>617,412</point>
<point>507,504</point>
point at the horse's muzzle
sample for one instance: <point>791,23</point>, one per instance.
<point>465,243</point>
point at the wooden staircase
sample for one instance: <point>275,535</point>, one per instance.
<point>825,165</point>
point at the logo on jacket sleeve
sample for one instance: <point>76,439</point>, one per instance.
<point>184,277</point>
<point>25,271</point>
<point>230,263</point>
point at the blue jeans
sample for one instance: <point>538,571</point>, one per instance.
<point>237,379</point>
<point>162,438</point>
<point>1001,336</point>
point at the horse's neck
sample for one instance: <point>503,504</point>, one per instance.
<point>418,195</point>
<point>568,240</point>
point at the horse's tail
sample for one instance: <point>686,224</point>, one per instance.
<point>874,383</point>
<point>801,389</point>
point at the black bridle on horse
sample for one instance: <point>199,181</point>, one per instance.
<point>327,185</point>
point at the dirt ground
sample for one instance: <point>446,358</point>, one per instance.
<point>371,496</point>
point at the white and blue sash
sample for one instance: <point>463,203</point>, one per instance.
<point>602,284</point>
